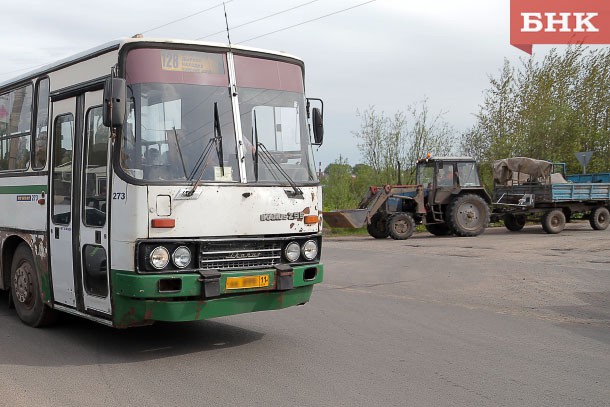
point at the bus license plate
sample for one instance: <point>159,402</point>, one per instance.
<point>237,283</point>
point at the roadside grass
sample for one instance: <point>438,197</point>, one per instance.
<point>331,232</point>
<point>334,232</point>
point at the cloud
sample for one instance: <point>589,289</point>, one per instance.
<point>389,53</point>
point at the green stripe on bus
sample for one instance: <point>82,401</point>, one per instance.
<point>23,189</point>
<point>137,301</point>
<point>134,312</point>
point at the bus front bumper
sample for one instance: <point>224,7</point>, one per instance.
<point>141,299</point>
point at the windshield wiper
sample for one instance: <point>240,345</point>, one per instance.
<point>179,151</point>
<point>271,164</point>
<point>218,138</point>
<point>202,162</point>
<point>255,139</point>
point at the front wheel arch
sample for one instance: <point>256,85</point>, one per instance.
<point>8,251</point>
<point>26,290</point>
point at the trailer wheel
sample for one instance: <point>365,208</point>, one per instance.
<point>468,215</point>
<point>378,228</point>
<point>514,223</point>
<point>599,218</point>
<point>553,221</point>
<point>439,229</point>
<point>401,226</point>
<point>25,290</point>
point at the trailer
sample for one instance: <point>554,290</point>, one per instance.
<point>527,188</point>
<point>600,177</point>
<point>448,198</point>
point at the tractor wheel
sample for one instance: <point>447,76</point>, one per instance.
<point>378,227</point>
<point>439,229</point>
<point>553,221</point>
<point>468,215</point>
<point>599,218</point>
<point>25,290</point>
<point>514,223</point>
<point>401,226</point>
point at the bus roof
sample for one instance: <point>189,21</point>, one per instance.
<point>119,43</point>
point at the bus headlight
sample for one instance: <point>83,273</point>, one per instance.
<point>310,250</point>
<point>292,251</point>
<point>181,257</point>
<point>159,257</point>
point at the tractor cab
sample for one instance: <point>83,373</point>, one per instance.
<point>442,177</point>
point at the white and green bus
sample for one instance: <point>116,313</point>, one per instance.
<point>159,180</point>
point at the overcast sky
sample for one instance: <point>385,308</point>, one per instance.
<point>387,53</point>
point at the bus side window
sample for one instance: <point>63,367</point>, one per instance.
<point>42,120</point>
<point>15,129</point>
<point>96,156</point>
<point>62,168</point>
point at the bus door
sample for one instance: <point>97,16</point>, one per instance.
<point>61,202</point>
<point>93,246</point>
<point>79,216</point>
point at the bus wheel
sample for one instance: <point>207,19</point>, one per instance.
<point>599,218</point>
<point>25,290</point>
<point>553,221</point>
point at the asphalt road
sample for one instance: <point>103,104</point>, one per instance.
<point>504,319</point>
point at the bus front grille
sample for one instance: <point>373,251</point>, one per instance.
<point>237,254</point>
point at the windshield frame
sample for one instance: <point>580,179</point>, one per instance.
<point>227,54</point>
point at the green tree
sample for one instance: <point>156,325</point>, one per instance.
<point>386,141</point>
<point>548,109</point>
<point>337,183</point>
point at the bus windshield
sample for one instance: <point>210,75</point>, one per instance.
<point>273,120</point>
<point>172,135</point>
<point>180,124</point>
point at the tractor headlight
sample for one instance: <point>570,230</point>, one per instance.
<point>181,257</point>
<point>292,251</point>
<point>159,257</point>
<point>310,250</point>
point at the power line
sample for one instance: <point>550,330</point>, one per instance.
<point>308,21</point>
<point>189,16</point>
<point>146,31</point>
<point>23,69</point>
<point>241,25</point>
<point>259,19</point>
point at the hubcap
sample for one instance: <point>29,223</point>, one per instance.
<point>555,221</point>
<point>23,283</point>
<point>469,215</point>
<point>401,226</point>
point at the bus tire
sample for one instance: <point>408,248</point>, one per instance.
<point>468,215</point>
<point>25,290</point>
<point>599,218</point>
<point>553,221</point>
<point>378,227</point>
<point>514,223</point>
<point>401,226</point>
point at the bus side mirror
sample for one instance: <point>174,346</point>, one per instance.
<point>318,126</point>
<point>114,102</point>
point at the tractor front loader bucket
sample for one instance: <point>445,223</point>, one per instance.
<point>348,218</point>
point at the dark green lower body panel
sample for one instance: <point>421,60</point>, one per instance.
<point>137,299</point>
<point>134,312</point>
